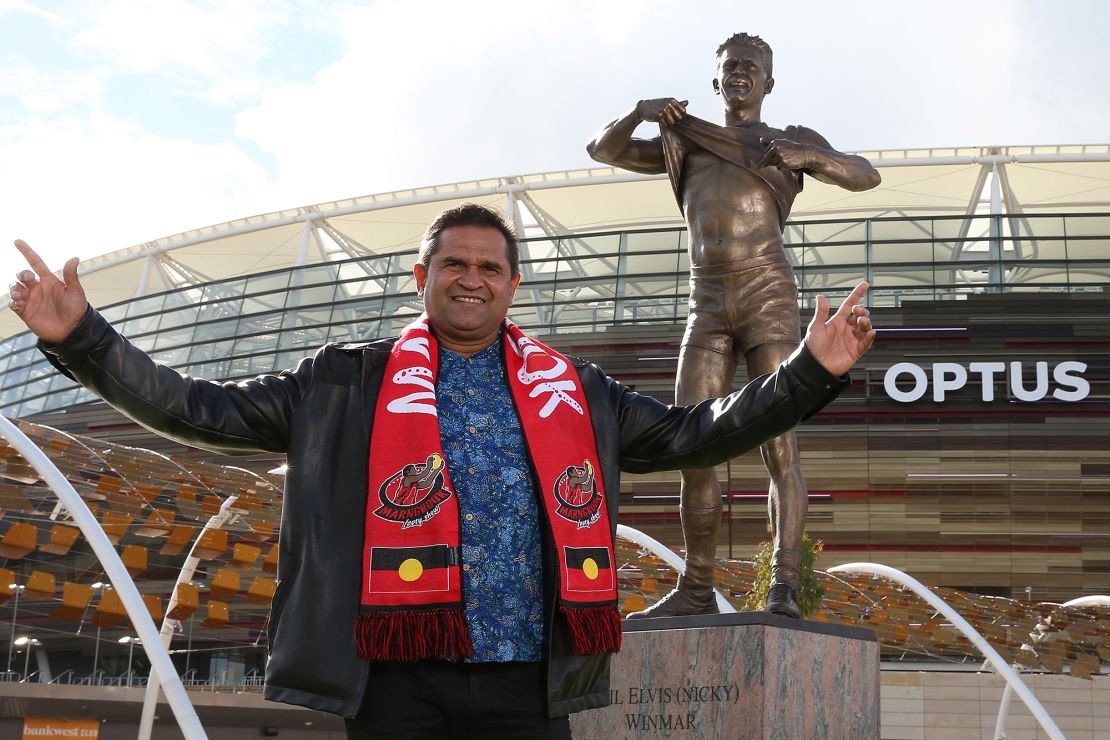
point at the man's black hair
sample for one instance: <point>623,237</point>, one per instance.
<point>469,214</point>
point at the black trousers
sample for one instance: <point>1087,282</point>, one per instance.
<point>456,701</point>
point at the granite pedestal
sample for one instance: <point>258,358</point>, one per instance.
<point>747,675</point>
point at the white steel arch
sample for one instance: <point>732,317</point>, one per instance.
<point>1000,665</point>
<point>159,657</point>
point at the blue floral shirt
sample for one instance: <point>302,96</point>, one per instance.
<point>489,467</point>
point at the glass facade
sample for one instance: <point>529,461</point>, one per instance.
<point>572,284</point>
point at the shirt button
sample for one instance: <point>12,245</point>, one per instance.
<point>466,566</point>
<point>470,517</point>
<point>472,471</point>
<point>472,430</point>
<point>470,392</point>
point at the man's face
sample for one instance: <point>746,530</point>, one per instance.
<point>742,78</point>
<point>468,287</point>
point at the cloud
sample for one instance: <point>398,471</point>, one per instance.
<point>89,186</point>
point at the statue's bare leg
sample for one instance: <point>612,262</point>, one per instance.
<point>788,498</point>
<point>702,373</point>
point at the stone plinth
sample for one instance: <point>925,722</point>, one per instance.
<point>748,675</point>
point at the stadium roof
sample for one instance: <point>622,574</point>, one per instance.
<point>917,182</point>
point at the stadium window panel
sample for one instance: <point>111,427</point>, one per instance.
<point>958,227</point>
<point>648,310</point>
<point>844,278</point>
<point>40,368</point>
<point>16,375</point>
<point>1035,226</point>
<point>585,246</point>
<point>1088,249</point>
<point>637,264</point>
<point>654,241</point>
<point>963,275</point>
<point>179,317</point>
<point>901,230</point>
<point>273,281</point>
<point>834,232</point>
<point>225,289</point>
<point>220,310</point>
<point>172,357</point>
<point>405,284</point>
<point>1035,249</point>
<point>1086,225</point>
<point>309,337</point>
<point>837,254</point>
<point>588,267</point>
<point>1025,274</point>
<point>794,255</point>
<point>31,406</point>
<point>64,398</point>
<point>793,234</point>
<point>113,314</point>
<point>262,303</point>
<point>577,317</point>
<point>216,330</point>
<point>966,250</point>
<point>1096,274</point>
<point>142,306</point>
<point>684,267</point>
<point>393,325</point>
<point>316,295</point>
<point>60,382</point>
<point>215,370</point>
<point>635,286</point>
<point>186,297</point>
<point>204,351</point>
<point>140,325</point>
<point>907,277</point>
<point>306,317</point>
<point>261,364</point>
<point>254,324</point>
<point>173,338</point>
<point>251,345</point>
<point>316,275</point>
<point>888,252</point>
<point>540,255</point>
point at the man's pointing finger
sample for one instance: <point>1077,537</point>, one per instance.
<point>32,258</point>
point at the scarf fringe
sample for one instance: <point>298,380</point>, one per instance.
<point>412,635</point>
<point>593,629</point>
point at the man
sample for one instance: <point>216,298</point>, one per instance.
<point>735,185</point>
<point>460,452</point>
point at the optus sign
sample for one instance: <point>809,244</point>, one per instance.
<point>907,382</point>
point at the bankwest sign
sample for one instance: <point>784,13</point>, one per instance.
<point>38,728</point>
<point>907,382</point>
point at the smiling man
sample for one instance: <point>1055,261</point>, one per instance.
<point>735,184</point>
<point>451,497</point>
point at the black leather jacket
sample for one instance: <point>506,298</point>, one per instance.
<point>320,415</point>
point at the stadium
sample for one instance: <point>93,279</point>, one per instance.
<point>971,450</point>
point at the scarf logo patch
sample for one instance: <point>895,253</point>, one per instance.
<point>414,493</point>
<point>577,496</point>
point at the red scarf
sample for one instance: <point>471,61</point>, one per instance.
<point>412,600</point>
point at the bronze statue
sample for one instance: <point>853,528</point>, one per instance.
<point>735,184</point>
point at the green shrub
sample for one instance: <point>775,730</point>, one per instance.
<point>810,591</point>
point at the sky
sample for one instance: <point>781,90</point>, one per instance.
<point>123,121</point>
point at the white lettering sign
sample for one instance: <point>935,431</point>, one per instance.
<point>1026,384</point>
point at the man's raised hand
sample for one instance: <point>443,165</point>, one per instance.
<point>840,340</point>
<point>50,307</point>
